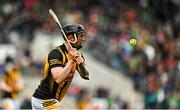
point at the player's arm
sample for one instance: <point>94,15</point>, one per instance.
<point>3,85</point>
<point>59,72</point>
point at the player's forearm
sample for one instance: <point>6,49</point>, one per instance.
<point>65,72</point>
<point>4,86</point>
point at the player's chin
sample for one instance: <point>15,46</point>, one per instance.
<point>79,47</point>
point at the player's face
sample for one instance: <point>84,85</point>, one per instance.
<point>80,40</point>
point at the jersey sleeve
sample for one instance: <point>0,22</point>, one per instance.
<point>55,59</point>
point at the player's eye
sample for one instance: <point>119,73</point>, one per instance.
<point>81,36</point>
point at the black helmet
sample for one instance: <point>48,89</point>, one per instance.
<point>73,29</point>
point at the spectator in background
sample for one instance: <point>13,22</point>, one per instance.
<point>102,92</point>
<point>11,85</point>
<point>83,99</point>
<point>119,104</point>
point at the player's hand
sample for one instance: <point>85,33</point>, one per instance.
<point>73,54</point>
<point>79,60</point>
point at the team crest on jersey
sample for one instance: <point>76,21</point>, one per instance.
<point>55,61</point>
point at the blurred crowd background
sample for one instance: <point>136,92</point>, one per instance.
<point>153,64</point>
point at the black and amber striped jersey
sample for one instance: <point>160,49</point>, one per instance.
<point>48,88</point>
<point>12,78</point>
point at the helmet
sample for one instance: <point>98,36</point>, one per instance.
<point>71,31</point>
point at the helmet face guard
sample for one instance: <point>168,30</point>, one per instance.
<point>72,38</point>
<point>72,31</point>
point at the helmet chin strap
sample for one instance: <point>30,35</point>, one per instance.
<point>75,37</point>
